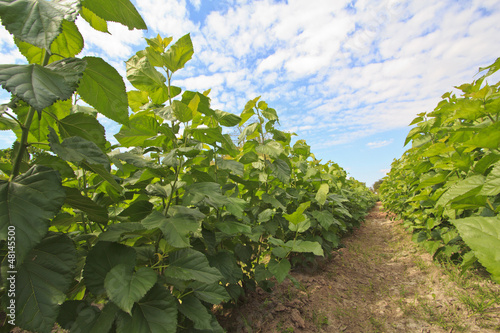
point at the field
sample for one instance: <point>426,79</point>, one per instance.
<point>185,226</point>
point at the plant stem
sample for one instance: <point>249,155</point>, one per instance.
<point>26,130</point>
<point>23,144</point>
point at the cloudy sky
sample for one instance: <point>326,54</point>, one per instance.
<point>346,76</point>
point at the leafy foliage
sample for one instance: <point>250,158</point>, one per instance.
<point>181,220</point>
<point>446,185</point>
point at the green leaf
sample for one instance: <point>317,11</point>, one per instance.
<point>82,125</point>
<point>101,259</point>
<point>233,227</point>
<point>464,188</point>
<point>91,320</point>
<point>41,86</point>
<point>124,287</point>
<point>192,308</point>
<point>301,226</point>
<point>225,262</point>
<point>281,170</point>
<point>176,230</point>
<point>235,167</point>
<point>42,281</point>
<point>208,135</point>
<point>188,264</point>
<point>102,87</point>
<point>298,216</point>
<point>55,163</point>
<point>482,235</point>
<point>95,21</point>
<point>143,76</point>
<point>114,232</point>
<point>179,53</point>
<point>226,118</point>
<point>121,11</point>
<point>212,293</point>
<point>78,150</point>
<point>325,218</point>
<point>136,99</point>
<point>279,269</point>
<point>41,20</point>
<point>141,128</point>
<point>28,202</point>
<point>271,148</point>
<point>94,212</point>
<point>7,124</point>
<point>68,44</point>
<point>155,313</point>
<point>492,184</point>
<point>138,210</point>
<point>181,111</point>
<point>305,246</point>
<point>104,173</point>
<point>322,193</point>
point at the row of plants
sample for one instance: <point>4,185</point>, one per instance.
<point>446,186</point>
<point>148,234</point>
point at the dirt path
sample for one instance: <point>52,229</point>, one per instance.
<point>380,282</point>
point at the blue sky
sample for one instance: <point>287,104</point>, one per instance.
<point>346,76</point>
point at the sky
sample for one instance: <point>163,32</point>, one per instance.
<point>346,76</point>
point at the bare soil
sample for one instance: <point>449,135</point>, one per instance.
<point>380,281</point>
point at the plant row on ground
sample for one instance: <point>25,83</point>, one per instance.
<point>446,186</point>
<point>148,234</point>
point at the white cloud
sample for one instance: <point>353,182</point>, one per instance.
<point>379,144</point>
<point>167,17</point>
<point>118,45</point>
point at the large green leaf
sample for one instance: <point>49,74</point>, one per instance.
<point>75,199</point>
<point>78,150</point>
<point>95,21</point>
<point>482,235</point>
<point>235,167</point>
<point>279,269</point>
<point>141,128</point>
<point>82,125</point>
<point>492,183</point>
<point>102,87</point>
<point>137,211</point>
<point>464,188</point>
<point>175,229</point>
<point>155,313</point>
<point>181,111</point>
<point>281,170</point>
<point>103,321</point>
<point>325,218</point>
<point>322,193</point>
<point>226,118</point>
<point>145,77</point>
<point>42,281</point>
<point>212,293</point>
<point>77,316</point>
<point>101,259</point>
<point>225,262</point>
<point>41,20</point>
<point>298,216</point>
<point>178,54</point>
<point>68,44</point>
<point>192,308</point>
<point>28,202</point>
<point>306,246</point>
<point>41,86</point>
<point>121,11</point>
<point>271,148</point>
<point>188,264</point>
<point>125,287</point>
